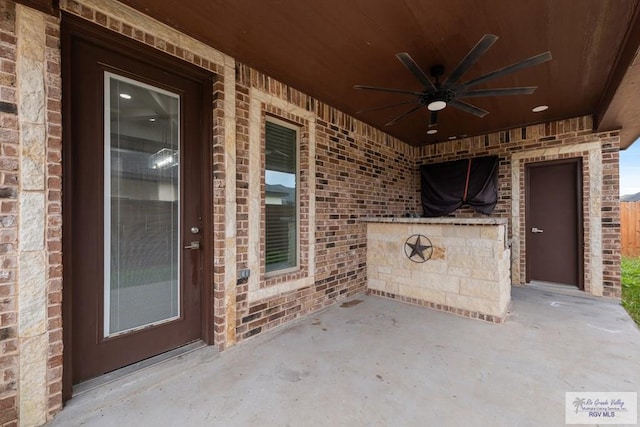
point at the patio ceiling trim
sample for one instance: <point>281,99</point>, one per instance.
<point>618,107</point>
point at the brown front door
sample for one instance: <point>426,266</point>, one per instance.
<point>135,207</point>
<point>553,222</point>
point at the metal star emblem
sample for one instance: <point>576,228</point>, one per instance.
<point>415,249</point>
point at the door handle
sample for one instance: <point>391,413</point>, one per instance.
<point>194,245</point>
<point>536,230</point>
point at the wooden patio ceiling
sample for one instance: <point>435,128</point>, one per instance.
<point>325,47</point>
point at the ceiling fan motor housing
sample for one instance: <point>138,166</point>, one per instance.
<point>443,95</point>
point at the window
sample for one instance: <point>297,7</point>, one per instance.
<point>281,196</point>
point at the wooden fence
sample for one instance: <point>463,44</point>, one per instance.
<point>630,228</point>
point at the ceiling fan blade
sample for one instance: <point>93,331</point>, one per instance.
<point>386,89</point>
<point>406,113</point>
<point>476,52</point>
<point>382,107</point>
<point>433,119</point>
<point>529,62</point>
<point>411,65</point>
<point>471,109</point>
<point>498,92</point>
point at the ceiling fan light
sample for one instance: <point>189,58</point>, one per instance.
<point>540,108</point>
<point>436,105</point>
<point>432,131</point>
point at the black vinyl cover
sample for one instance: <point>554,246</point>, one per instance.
<point>444,185</point>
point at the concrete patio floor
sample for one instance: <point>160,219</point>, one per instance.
<point>385,363</point>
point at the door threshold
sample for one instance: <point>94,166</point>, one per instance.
<point>134,368</point>
<point>558,288</point>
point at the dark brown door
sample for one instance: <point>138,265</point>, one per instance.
<point>553,222</point>
<point>135,210</point>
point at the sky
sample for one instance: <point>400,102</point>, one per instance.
<point>630,169</point>
<point>286,179</point>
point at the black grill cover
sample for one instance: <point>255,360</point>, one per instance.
<point>449,185</point>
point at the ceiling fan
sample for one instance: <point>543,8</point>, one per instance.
<point>437,95</point>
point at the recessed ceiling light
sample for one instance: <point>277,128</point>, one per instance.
<point>452,137</point>
<point>540,108</point>
<point>125,96</point>
<point>152,119</point>
<point>432,131</point>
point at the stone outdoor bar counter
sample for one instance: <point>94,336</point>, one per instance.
<point>450,264</point>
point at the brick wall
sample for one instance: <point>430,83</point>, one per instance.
<point>20,145</point>
<point>611,214</point>
<point>359,172</point>
<point>9,152</point>
<point>115,17</point>
<point>53,231</point>
<point>572,138</point>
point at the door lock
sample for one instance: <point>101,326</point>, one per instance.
<point>536,230</point>
<point>194,245</point>
<point>195,230</point>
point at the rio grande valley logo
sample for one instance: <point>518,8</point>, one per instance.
<point>601,408</point>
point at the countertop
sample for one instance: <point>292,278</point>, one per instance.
<point>446,220</point>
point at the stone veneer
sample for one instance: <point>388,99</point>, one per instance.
<point>30,215</point>
<point>565,139</point>
<point>468,273</point>
<point>359,172</point>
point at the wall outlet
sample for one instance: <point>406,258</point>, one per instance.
<point>244,273</point>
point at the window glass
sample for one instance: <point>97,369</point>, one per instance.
<point>281,197</point>
<point>142,200</point>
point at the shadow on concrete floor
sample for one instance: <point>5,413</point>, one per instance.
<point>385,363</point>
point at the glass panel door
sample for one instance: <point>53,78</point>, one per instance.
<point>142,205</point>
